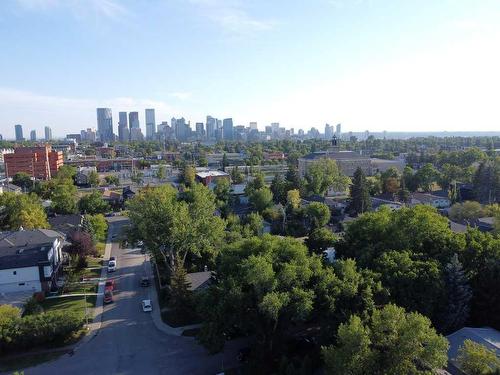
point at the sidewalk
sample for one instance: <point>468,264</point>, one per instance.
<point>156,313</point>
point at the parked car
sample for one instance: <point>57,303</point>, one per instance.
<point>112,266</point>
<point>112,258</point>
<point>146,305</point>
<point>108,296</point>
<point>110,285</point>
<point>145,281</point>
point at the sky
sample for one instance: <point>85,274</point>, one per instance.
<point>421,65</point>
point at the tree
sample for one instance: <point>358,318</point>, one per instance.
<point>318,214</point>
<point>413,284</point>
<point>320,239</point>
<point>360,196</point>
<point>112,180</point>
<point>426,177</point>
<point>323,174</point>
<point>23,180</point>
<point>392,342</point>
<point>410,182</point>
<point>64,200</point>
<point>293,199</point>
<point>476,359</point>
<point>261,198</point>
<point>487,181</point>
<point>188,175</point>
<point>181,298</point>
<point>66,174</point>
<point>236,175</point>
<point>266,284</point>
<point>222,193</point>
<point>80,247</point>
<point>466,211</point>
<point>450,173</point>
<point>458,296</point>
<point>278,188</point>
<point>93,204</point>
<point>98,225</point>
<point>93,179</point>
<point>256,183</point>
<point>293,179</point>
<point>161,174</point>
<point>225,162</point>
<point>390,180</point>
<point>21,210</point>
<point>255,224</point>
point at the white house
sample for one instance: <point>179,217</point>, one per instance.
<point>29,260</point>
<point>430,199</point>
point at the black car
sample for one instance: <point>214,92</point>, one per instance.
<point>145,281</point>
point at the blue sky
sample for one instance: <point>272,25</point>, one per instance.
<point>378,65</point>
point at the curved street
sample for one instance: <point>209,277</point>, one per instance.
<point>128,342</point>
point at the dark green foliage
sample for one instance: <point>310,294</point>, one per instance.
<point>23,180</point>
<point>181,298</point>
<point>360,196</point>
<point>487,181</point>
<point>320,239</point>
<point>93,204</point>
<point>318,214</point>
<point>458,296</point>
<point>279,189</point>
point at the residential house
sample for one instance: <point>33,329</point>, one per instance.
<point>30,260</point>
<point>209,177</point>
<point>6,187</point>
<point>82,175</point>
<point>66,224</point>
<point>129,192</point>
<point>489,337</point>
<point>199,280</point>
<point>430,199</point>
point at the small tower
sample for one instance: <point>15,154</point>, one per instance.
<point>335,144</point>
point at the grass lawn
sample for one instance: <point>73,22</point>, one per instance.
<point>14,363</point>
<point>69,304</point>
<point>94,262</point>
<point>81,288</point>
<point>93,273</point>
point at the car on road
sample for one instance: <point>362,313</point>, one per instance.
<point>112,258</point>
<point>108,296</point>
<point>146,305</point>
<point>109,285</point>
<point>145,281</point>
<point>112,266</point>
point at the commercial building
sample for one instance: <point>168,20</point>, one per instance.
<point>123,132</point>
<point>33,135</point>
<point>347,161</point>
<point>40,162</point>
<point>48,133</point>
<point>200,131</point>
<point>150,123</point>
<point>133,120</point>
<point>30,260</point>
<point>105,124</point>
<point>19,132</point>
<point>227,129</point>
<point>211,126</point>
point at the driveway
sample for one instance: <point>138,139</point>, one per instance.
<point>128,341</point>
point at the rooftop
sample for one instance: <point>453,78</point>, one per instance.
<point>198,280</point>
<point>213,173</point>
<point>339,155</point>
<point>25,248</point>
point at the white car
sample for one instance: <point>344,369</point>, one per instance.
<point>112,266</point>
<point>146,305</point>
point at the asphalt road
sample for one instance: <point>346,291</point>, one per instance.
<point>128,341</point>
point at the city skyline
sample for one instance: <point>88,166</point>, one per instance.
<point>379,66</point>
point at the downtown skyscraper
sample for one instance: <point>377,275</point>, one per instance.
<point>48,133</point>
<point>150,123</point>
<point>227,129</point>
<point>123,132</point>
<point>105,124</point>
<point>19,132</point>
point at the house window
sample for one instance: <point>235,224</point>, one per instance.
<point>14,273</point>
<point>21,284</point>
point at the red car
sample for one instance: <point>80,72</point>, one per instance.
<point>108,296</point>
<point>110,285</point>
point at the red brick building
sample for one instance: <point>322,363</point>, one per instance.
<point>40,162</point>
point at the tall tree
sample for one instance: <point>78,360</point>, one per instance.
<point>293,199</point>
<point>93,179</point>
<point>279,189</point>
<point>23,180</point>
<point>360,196</point>
<point>318,214</point>
<point>64,199</point>
<point>261,198</point>
<point>93,204</point>
<point>476,359</point>
<point>393,342</point>
<point>323,174</point>
<point>21,210</point>
<point>427,176</point>
<point>181,297</point>
<point>458,296</point>
<point>320,239</point>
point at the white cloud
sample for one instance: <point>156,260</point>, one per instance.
<point>233,17</point>
<point>68,115</point>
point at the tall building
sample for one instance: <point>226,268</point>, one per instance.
<point>123,132</point>
<point>105,124</point>
<point>150,123</point>
<point>328,131</point>
<point>39,162</point>
<point>211,127</point>
<point>33,135</point>
<point>275,126</point>
<point>253,125</point>
<point>19,132</point>
<point>133,121</point>
<point>200,131</point>
<point>48,133</point>
<point>227,129</point>
<point>338,131</point>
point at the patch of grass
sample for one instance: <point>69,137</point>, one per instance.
<point>93,273</point>
<point>81,288</point>
<point>94,262</point>
<point>70,304</point>
<point>14,363</point>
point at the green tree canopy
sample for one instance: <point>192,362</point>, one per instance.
<point>21,210</point>
<point>93,204</point>
<point>23,180</point>
<point>323,174</point>
<point>318,214</point>
<point>320,239</point>
<point>64,199</point>
<point>261,198</point>
<point>391,342</point>
<point>477,359</point>
<point>360,196</point>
